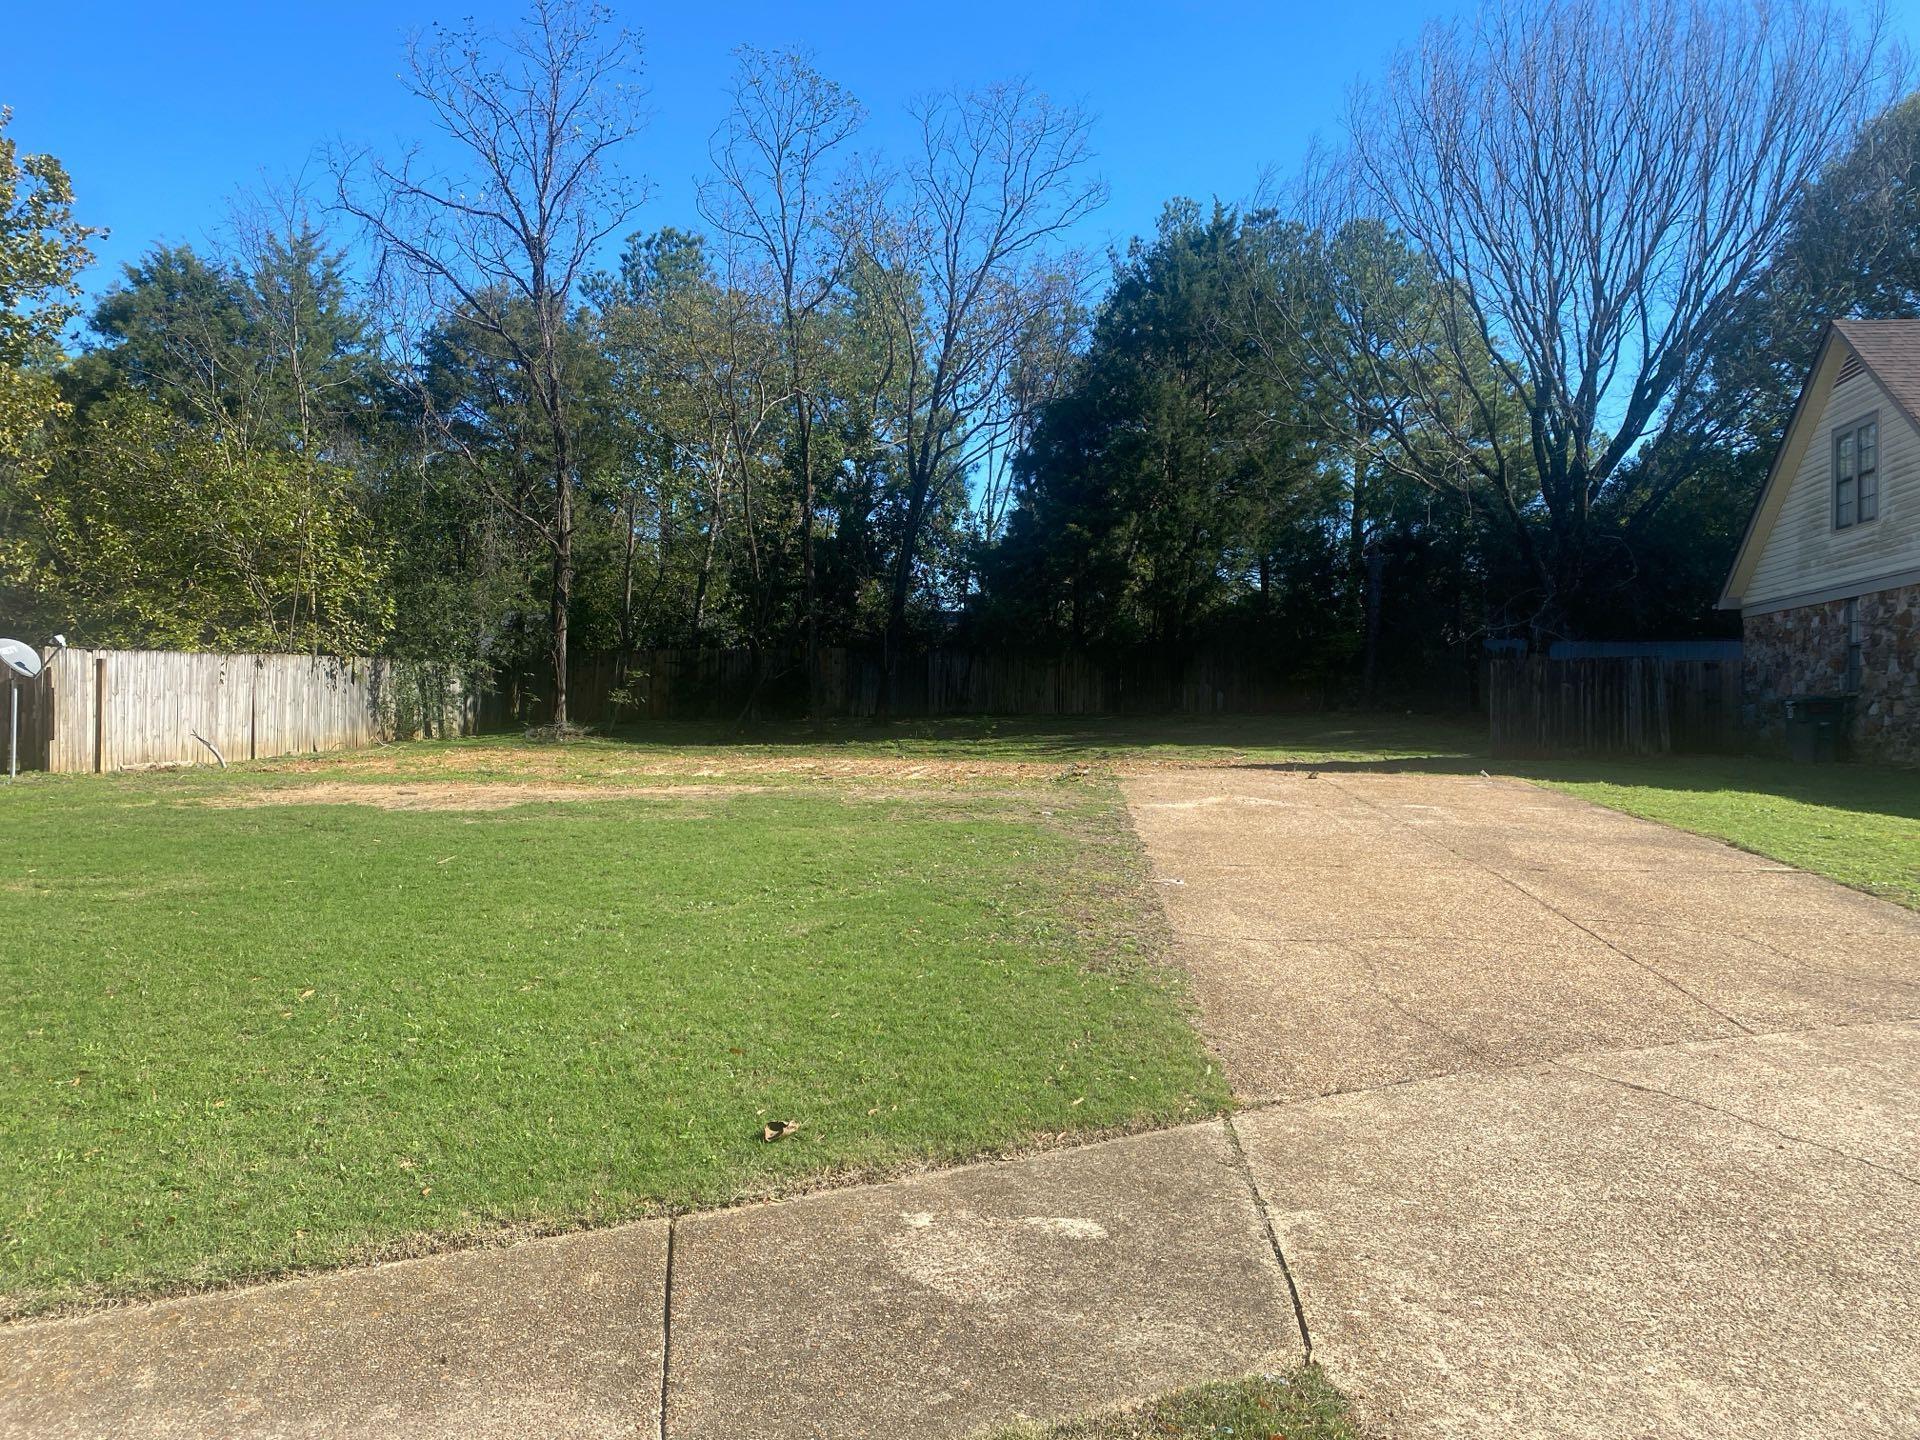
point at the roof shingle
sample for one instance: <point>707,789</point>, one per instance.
<point>1891,350</point>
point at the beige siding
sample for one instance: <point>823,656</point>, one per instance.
<point>1804,554</point>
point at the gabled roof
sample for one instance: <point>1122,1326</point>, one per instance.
<point>1889,350</point>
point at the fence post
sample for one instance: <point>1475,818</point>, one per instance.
<point>100,715</point>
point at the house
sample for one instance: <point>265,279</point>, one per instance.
<point>1827,581</point>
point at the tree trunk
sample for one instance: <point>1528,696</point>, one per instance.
<point>706,575</point>
<point>902,585</point>
<point>562,578</point>
<point>803,429</point>
<point>1376,565</point>
<point>620,666</point>
<point>1357,575</point>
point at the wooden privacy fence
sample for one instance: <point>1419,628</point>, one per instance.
<point>125,709</point>
<point>948,680</point>
<point>1542,708</point>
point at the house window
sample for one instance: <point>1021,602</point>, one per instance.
<point>1856,473</point>
<point>1856,646</point>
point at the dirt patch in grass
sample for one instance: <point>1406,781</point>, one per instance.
<point>694,765</point>
<point>707,766</point>
<point>867,767</point>
<point>453,794</point>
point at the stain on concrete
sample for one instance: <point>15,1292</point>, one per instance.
<point>972,1257</point>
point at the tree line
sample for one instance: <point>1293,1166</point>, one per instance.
<point>1508,361</point>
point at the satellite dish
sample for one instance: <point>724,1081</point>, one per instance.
<point>22,661</point>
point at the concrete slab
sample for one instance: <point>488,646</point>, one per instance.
<point>1532,997</point>
<point>1854,1089</point>
<point>943,1305</point>
<point>1509,825</point>
<point>1386,899</point>
<point>554,1337</point>
<point>1545,1253</point>
<point>1331,847</point>
<point>1761,905</point>
<point>1290,1021</point>
<point>1438,923</point>
<point>1894,956</point>
<point>1635,845</point>
<point>1277,797</point>
<point>1765,986</point>
<point>1228,818</point>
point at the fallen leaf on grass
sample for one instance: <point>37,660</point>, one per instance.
<point>778,1129</point>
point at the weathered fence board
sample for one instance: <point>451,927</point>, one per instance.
<point>724,684</point>
<point>127,709</point>
<point>1615,706</point>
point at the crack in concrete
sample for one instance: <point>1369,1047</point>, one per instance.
<point>1553,909</point>
<point>1253,1103</point>
<point>1273,1234</point>
<point>1735,1115</point>
<point>1383,993</point>
<point>1795,960</point>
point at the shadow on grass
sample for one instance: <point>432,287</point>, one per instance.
<point>1866,789</point>
<point>1328,742</point>
<point>1069,738</point>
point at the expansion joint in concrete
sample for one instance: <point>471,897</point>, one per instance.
<point>1273,1234</point>
<point>666,1329</point>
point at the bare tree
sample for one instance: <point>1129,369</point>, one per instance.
<point>536,116</point>
<point>1594,188</point>
<point>774,195</point>
<point>963,242</point>
<point>1044,363</point>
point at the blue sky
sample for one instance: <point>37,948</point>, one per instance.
<point>160,112</point>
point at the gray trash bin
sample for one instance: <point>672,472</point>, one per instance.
<point>1816,728</point>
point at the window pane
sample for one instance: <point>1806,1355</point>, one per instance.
<point>1869,446</point>
<point>1843,503</point>
<point>1845,460</point>
<point>1869,487</point>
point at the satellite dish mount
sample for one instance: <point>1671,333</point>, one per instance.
<point>22,663</point>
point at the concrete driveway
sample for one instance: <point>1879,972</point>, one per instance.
<point>1569,1124</point>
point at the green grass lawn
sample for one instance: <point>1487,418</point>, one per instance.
<point>1300,1405</point>
<point>250,1038</point>
<point>1856,824</point>
<point>1093,740</point>
<point>687,747</point>
<point>244,1040</point>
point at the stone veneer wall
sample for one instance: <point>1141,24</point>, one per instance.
<point>1804,652</point>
